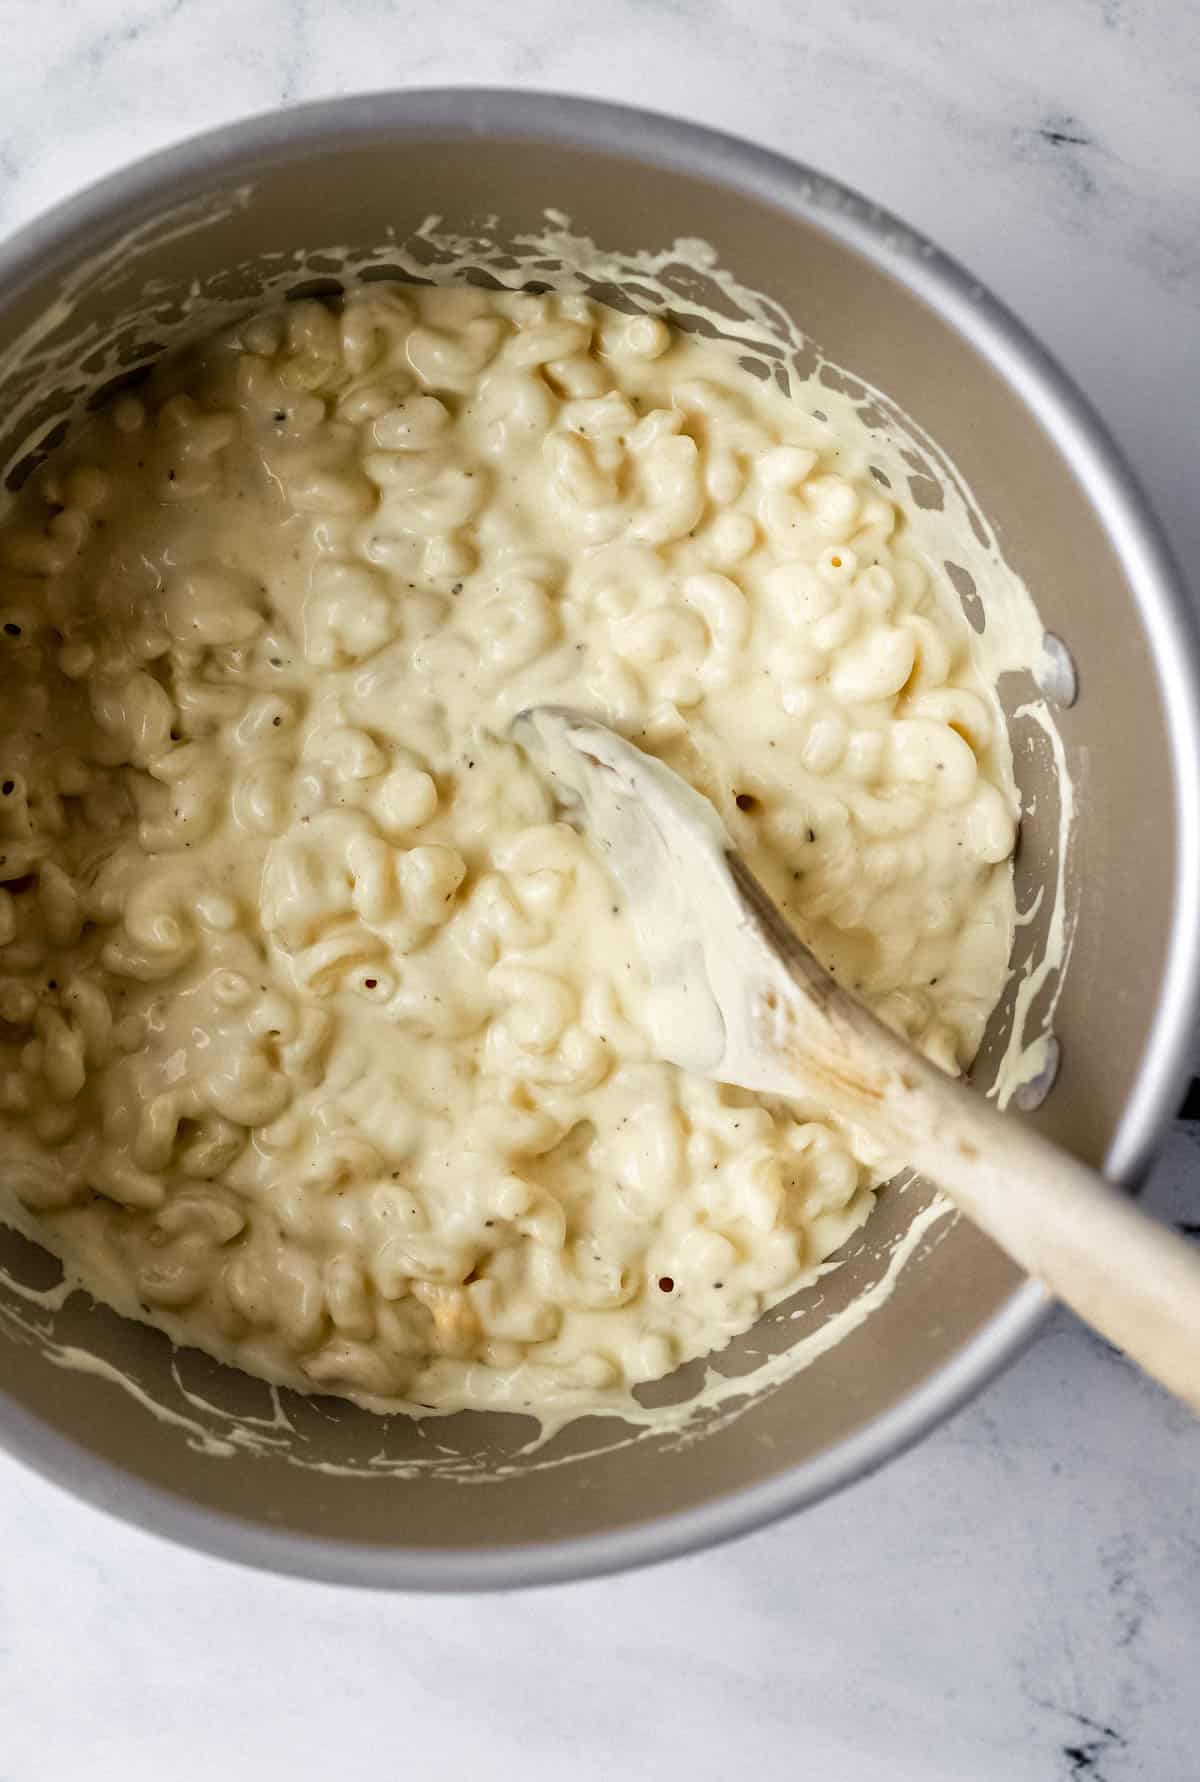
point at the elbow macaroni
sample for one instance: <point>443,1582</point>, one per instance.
<point>321,1039</point>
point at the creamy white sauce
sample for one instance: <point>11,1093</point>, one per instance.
<point>326,1048</point>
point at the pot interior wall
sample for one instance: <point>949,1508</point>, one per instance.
<point>352,193</point>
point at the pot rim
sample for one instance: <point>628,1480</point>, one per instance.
<point>59,234</point>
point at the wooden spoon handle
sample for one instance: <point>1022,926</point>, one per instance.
<point>1132,1279</point>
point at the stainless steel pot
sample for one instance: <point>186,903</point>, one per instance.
<point>310,1496</point>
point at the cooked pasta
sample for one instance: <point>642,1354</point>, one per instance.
<point>322,1038</point>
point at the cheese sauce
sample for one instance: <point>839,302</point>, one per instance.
<point>323,1039</point>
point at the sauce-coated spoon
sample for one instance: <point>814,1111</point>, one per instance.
<point>737,996</point>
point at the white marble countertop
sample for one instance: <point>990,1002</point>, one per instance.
<point>1016,1601</point>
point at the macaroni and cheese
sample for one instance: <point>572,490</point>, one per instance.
<point>322,1037</point>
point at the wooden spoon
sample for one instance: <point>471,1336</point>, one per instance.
<point>738,997</point>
